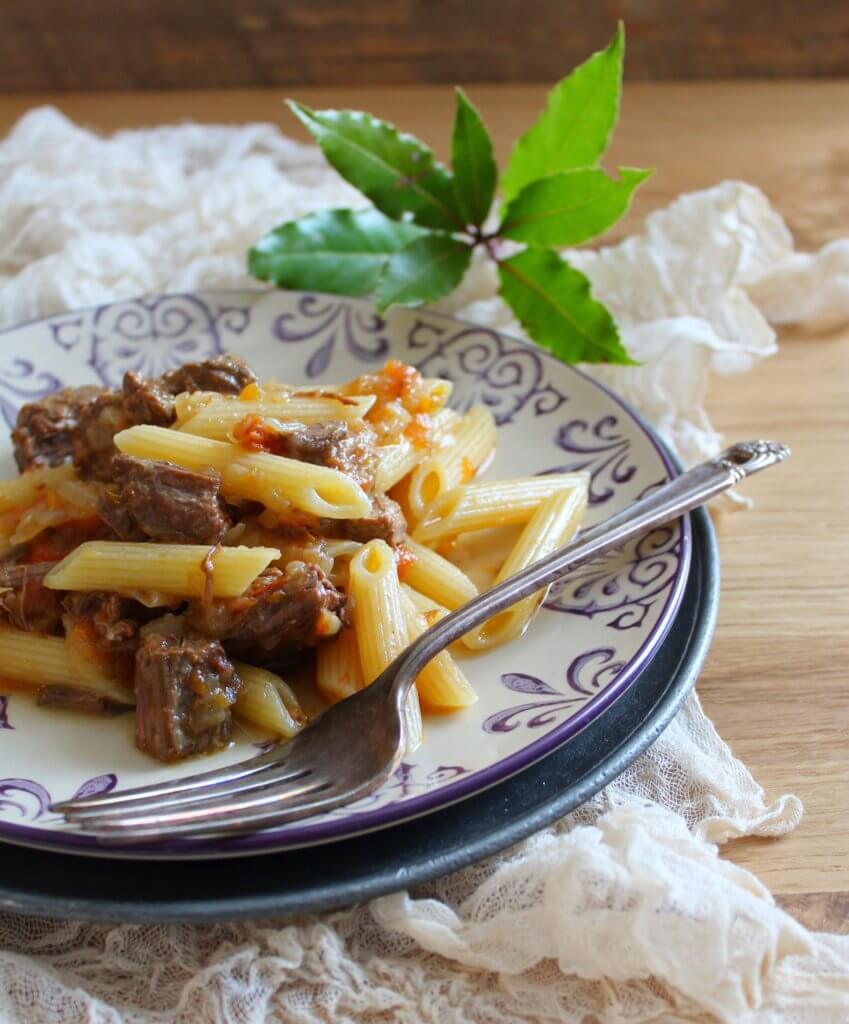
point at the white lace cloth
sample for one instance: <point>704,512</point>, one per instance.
<point>622,912</point>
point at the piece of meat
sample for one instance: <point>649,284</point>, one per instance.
<point>332,444</point>
<point>160,501</point>
<point>147,401</point>
<point>93,444</point>
<point>52,544</point>
<point>281,611</point>
<point>225,374</point>
<point>385,521</point>
<point>114,620</point>
<point>152,400</point>
<point>24,600</point>
<point>44,429</point>
<point>26,603</point>
<point>185,689</point>
<point>69,698</point>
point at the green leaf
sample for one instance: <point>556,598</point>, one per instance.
<point>423,271</point>
<point>570,208</point>
<point>396,171</point>
<point>474,168</point>
<point>553,302</point>
<point>339,251</point>
<point>576,125</point>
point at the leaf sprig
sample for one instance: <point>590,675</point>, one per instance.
<point>415,243</point>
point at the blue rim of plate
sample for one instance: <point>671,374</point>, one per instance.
<point>293,837</point>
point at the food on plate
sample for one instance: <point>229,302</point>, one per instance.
<point>196,547</point>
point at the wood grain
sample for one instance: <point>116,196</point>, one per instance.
<point>160,44</point>
<point>776,679</point>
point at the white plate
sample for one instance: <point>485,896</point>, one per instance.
<point>590,641</point>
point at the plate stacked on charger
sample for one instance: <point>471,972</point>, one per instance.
<point>561,711</point>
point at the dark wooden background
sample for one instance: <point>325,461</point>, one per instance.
<point>172,44</point>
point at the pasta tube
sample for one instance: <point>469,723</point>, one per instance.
<point>216,419</point>
<point>379,622</point>
<point>432,612</point>
<point>183,570</point>
<point>399,459</point>
<point>39,660</point>
<point>265,701</point>
<point>395,462</point>
<point>456,464</point>
<point>426,606</point>
<point>554,522</point>
<point>341,548</point>
<point>441,684</point>
<point>338,670</point>
<point>435,576</point>
<point>493,503</point>
<point>275,481</point>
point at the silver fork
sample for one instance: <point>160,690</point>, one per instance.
<point>356,745</point>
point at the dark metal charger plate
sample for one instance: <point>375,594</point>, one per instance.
<point>356,869</point>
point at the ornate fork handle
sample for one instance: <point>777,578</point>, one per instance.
<point>674,499</point>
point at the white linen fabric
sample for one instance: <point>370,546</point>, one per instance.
<point>623,911</point>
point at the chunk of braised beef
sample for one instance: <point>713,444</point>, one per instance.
<point>69,698</point>
<point>385,521</point>
<point>24,600</point>
<point>93,440</point>
<point>147,401</point>
<point>225,374</point>
<point>281,611</point>
<point>160,501</point>
<point>333,444</point>
<point>52,544</point>
<point>26,603</point>
<point>44,429</point>
<point>185,689</point>
<point>114,621</point>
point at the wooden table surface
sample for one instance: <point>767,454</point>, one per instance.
<point>776,680</point>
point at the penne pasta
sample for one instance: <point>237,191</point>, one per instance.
<point>447,468</point>
<point>341,548</point>
<point>551,526</point>
<point>38,660</point>
<point>216,419</point>
<point>267,702</point>
<point>435,576</point>
<point>177,569</point>
<point>479,506</point>
<point>438,391</point>
<point>441,684</point>
<point>339,673</point>
<point>407,464</point>
<point>277,482</point>
<point>395,461</point>
<point>32,485</point>
<point>379,621</point>
<point>432,610</point>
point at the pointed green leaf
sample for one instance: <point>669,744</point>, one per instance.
<point>576,125</point>
<point>339,251</point>
<point>423,271</point>
<point>570,208</point>
<point>396,171</point>
<point>474,168</point>
<point>553,302</point>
